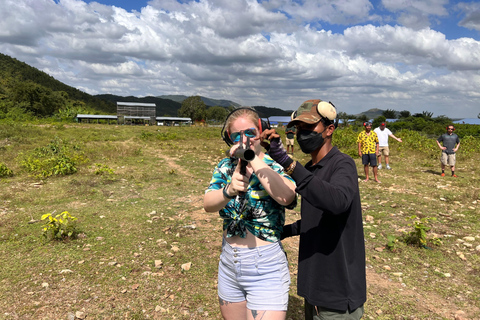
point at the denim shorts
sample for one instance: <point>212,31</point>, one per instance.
<point>369,158</point>
<point>258,275</point>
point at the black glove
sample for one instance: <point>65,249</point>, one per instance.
<point>278,153</point>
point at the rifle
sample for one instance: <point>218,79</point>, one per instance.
<point>245,154</point>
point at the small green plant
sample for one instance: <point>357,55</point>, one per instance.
<point>418,236</point>
<point>391,243</point>
<point>5,171</point>
<point>146,135</point>
<point>62,226</point>
<point>166,136</point>
<point>103,169</point>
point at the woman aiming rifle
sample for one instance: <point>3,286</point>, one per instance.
<point>253,276</point>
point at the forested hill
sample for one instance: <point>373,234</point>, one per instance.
<point>15,71</point>
<point>208,101</point>
<point>266,112</point>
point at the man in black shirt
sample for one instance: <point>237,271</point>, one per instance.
<point>451,143</point>
<point>331,262</point>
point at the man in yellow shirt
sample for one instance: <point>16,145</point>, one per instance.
<point>368,150</point>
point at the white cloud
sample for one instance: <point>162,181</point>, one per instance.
<point>270,53</point>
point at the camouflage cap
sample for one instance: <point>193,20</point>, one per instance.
<point>312,111</point>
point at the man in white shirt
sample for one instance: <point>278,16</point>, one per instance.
<point>383,133</point>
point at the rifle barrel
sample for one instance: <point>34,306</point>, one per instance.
<point>245,154</point>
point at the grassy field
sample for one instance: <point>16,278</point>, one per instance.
<point>147,250</point>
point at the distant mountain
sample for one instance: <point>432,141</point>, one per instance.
<point>208,101</point>
<point>164,107</point>
<point>177,98</point>
<point>371,113</point>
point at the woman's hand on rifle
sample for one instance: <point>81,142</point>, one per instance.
<point>239,182</point>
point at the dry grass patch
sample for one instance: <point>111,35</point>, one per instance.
<point>145,221</point>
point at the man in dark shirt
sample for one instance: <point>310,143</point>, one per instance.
<point>451,143</point>
<point>331,262</point>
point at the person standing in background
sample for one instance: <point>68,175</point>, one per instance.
<point>451,143</point>
<point>368,150</point>
<point>290,132</point>
<point>383,133</point>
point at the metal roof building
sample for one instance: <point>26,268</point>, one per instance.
<point>136,112</point>
<point>92,117</point>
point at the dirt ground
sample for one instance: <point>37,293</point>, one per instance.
<point>379,286</point>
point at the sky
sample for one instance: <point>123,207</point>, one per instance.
<point>388,54</point>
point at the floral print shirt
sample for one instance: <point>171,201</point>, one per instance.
<point>254,211</point>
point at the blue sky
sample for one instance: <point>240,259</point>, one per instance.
<point>128,5</point>
<point>360,54</point>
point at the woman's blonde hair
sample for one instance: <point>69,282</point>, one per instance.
<point>242,112</point>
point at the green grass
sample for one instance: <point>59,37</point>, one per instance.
<point>144,210</point>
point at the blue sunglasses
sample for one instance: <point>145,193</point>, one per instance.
<point>249,133</point>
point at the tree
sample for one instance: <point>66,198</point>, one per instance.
<point>39,100</point>
<point>389,114</point>
<point>194,108</point>
<point>424,114</point>
<point>361,119</point>
<point>216,113</point>
<point>405,114</point>
<point>344,117</point>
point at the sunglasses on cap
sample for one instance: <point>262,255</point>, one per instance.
<point>249,133</point>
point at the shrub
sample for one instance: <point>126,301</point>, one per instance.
<point>346,140</point>
<point>5,171</point>
<point>469,145</point>
<point>56,158</point>
<point>61,227</point>
<point>103,169</point>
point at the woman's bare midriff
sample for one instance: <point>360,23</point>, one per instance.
<point>250,241</point>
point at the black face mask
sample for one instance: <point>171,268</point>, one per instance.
<point>310,141</point>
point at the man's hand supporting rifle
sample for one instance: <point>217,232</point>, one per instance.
<point>276,150</point>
